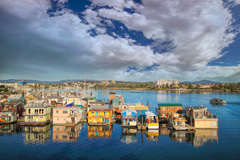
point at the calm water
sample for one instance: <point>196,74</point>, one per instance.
<point>113,142</point>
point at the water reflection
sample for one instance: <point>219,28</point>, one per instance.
<point>152,135</point>
<point>63,133</point>
<point>100,131</point>
<point>197,138</point>
<point>129,135</point>
<point>10,129</point>
<point>37,134</point>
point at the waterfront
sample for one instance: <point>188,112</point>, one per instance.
<point>223,144</point>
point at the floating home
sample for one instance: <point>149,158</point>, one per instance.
<point>99,115</point>
<point>100,131</point>
<point>16,98</point>
<point>177,122</point>
<point>129,117</point>
<point>16,108</point>
<point>139,107</point>
<point>200,118</point>
<point>151,120</point>
<point>7,117</point>
<point>37,113</point>
<point>165,109</point>
<point>69,116</point>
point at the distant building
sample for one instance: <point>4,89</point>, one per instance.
<point>105,82</point>
<point>163,82</point>
<point>113,82</point>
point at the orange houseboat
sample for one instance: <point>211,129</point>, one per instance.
<point>165,109</point>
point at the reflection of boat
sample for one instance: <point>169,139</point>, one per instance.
<point>37,134</point>
<point>100,131</point>
<point>152,135</point>
<point>129,135</point>
<point>217,101</point>
<point>64,133</point>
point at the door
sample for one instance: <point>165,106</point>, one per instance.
<point>73,120</point>
<point>96,114</point>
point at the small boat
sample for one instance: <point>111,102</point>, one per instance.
<point>151,120</point>
<point>217,101</point>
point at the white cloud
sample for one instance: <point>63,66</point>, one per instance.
<point>62,44</point>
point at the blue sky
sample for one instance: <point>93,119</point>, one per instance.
<point>142,40</point>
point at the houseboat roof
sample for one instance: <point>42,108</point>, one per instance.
<point>66,108</point>
<point>195,107</point>
<point>149,113</point>
<point>36,104</point>
<point>4,113</point>
<point>54,97</point>
<point>99,107</point>
<point>169,104</point>
<point>129,109</point>
<point>15,96</point>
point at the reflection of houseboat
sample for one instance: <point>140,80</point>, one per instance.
<point>200,118</point>
<point>7,117</point>
<point>9,128</point>
<point>178,136</point>
<point>64,133</point>
<point>151,120</point>
<point>69,116</point>
<point>37,134</point>
<point>37,113</point>
<point>164,130</point>
<point>165,109</point>
<point>100,131</point>
<point>99,115</point>
<point>152,135</point>
<point>129,118</point>
<point>202,136</point>
<point>129,135</point>
<point>217,101</point>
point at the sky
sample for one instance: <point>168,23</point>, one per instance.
<point>130,40</point>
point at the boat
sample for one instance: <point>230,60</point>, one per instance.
<point>217,101</point>
<point>151,120</point>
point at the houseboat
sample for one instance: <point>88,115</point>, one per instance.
<point>151,120</point>
<point>177,122</point>
<point>37,113</point>
<point>165,109</point>
<point>68,116</point>
<point>129,118</point>
<point>99,115</point>
<point>7,117</point>
<point>198,117</point>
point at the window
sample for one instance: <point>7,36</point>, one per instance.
<point>92,112</point>
<point>29,111</point>
<point>65,112</point>
<point>214,124</point>
<point>36,111</point>
<point>42,111</point>
<point>163,109</point>
<point>64,136</point>
<point>56,111</point>
<point>74,100</point>
<point>56,136</point>
<point>57,119</point>
<point>41,117</point>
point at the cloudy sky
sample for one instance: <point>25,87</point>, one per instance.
<point>140,40</point>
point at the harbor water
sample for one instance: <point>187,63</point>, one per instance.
<point>114,142</point>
